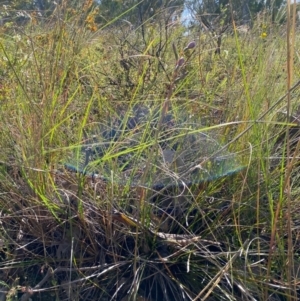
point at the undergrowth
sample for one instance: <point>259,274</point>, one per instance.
<point>74,233</point>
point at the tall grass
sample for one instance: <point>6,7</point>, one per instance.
<point>77,236</point>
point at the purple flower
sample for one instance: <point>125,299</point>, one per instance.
<point>180,62</point>
<point>190,45</point>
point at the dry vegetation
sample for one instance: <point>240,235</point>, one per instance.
<point>76,236</point>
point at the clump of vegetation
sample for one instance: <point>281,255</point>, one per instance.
<point>97,201</point>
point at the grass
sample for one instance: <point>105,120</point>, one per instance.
<point>69,236</point>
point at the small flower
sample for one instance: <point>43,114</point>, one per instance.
<point>263,35</point>
<point>180,62</point>
<point>190,45</point>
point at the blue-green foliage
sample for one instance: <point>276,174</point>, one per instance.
<point>133,151</point>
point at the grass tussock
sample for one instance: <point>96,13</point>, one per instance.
<point>97,228</point>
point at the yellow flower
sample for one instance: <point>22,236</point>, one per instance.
<point>263,35</point>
